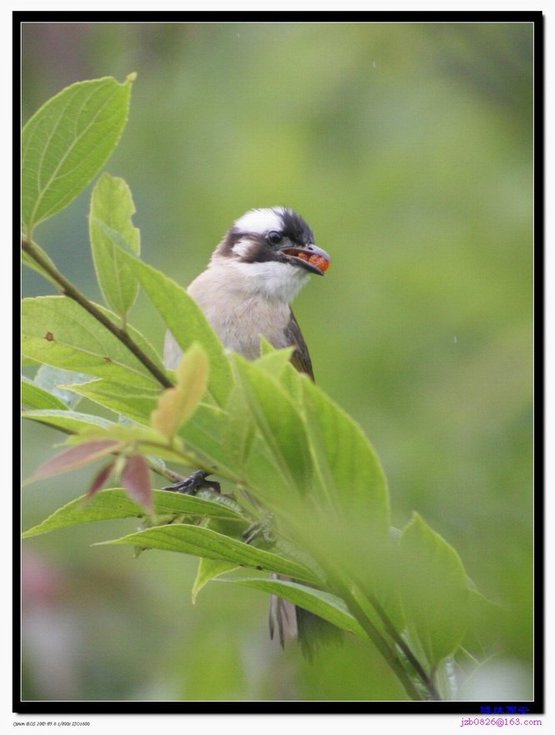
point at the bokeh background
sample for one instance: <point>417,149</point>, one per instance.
<point>408,148</point>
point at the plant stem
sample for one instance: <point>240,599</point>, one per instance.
<point>405,648</point>
<point>72,292</point>
<point>375,636</point>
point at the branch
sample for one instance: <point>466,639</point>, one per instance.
<point>69,290</point>
<point>405,648</point>
<point>374,634</point>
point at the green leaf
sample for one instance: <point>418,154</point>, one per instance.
<point>59,332</point>
<point>186,321</point>
<point>325,605</point>
<point>53,380</point>
<point>111,228</point>
<point>349,500</point>
<point>65,420</point>
<point>204,542</point>
<point>433,590</point>
<point>207,570</point>
<point>281,425</point>
<point>484,620</point>
<point>237,433</point>
<point>349,469</point>
<point>115,503</point>
<point>67,142</point>
<point>204,433</point>
<point>265,476</point>
<point>35,397</point>
<point>128,433</point>
<point>134,402</point>
<point>139,338</point>
<point>273,361</point>
<point>250,456</point>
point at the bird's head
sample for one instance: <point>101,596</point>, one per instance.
<point>275,251</point>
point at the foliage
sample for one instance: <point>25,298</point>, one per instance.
<point>260,426</point>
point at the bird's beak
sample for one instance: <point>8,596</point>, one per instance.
<point>310,256</point>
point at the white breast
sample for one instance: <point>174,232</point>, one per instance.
<point>243,301</point>
<point>239,307</point>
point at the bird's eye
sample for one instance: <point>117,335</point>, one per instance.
<point>274,238</point>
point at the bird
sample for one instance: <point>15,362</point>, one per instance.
<point>255,272</point>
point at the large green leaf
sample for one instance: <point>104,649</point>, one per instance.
<point>264,475</point>
<point>134,402</point>
<point>204,432</point>
<point>274,361</point>
<point>59,332</point>
<point>434,591</point>
<point>352,478</point>
<point>115,503</point>
<point>204,542</point>
<point>315,468</point>
<point>137,337</point>
<point>249,453</point>
<point>111,228</point>
<point>280,423</point>
<point>207,571</point>
<point>237,432</point>
<point>67,142</point>
<point>186,321</point>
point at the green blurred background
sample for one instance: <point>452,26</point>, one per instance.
<point>408,148</point>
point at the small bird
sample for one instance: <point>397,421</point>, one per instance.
<point>254,274</point>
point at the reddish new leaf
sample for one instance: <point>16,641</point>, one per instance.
<point>100,480</point>
<point>135,478</point>
<point>75,457</point>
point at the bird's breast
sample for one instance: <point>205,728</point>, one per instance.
<point>241,319</point>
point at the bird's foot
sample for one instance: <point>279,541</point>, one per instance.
<point>195,482</point>
<point>263,528</point>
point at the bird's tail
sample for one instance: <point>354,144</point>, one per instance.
<point>290,623</point>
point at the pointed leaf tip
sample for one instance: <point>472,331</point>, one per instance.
<point>135,478</point>
<point>67,142</point>
<point>100,480</point>
<point>75,457</point>
<point>111,228</point>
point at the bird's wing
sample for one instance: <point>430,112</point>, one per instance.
<point>300,358</point>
